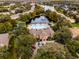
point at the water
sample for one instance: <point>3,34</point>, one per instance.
<point>40,22</point>
<point>41,19</point>
<point>39,26</point>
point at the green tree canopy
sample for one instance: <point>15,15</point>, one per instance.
<point>38,10</point>
<point>53,16</point>
<point>62,36</point>
<point>53,51</point>
<point>25,18</point>
<point>73,46</point>
<point>4,18</point>
<point>5,27</point>
<point>4,53</point>
<point>21,46</point>
<point>62,23</point>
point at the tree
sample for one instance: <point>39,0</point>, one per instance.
<point>8,26</point>
<point>4,53</point>
<point>27,6</point>
<point>76,38</point>
<point>21,46</point>
<point>73,47</point>
<point>39,10</point>
<point>13,22</point>
<point>21,29</point>
<point>21,42</point>
<point>12,49</point>
<point>3,9</point>
<point>24,46</point>
<point>62,23</point>
<point>53,16</point>
<point>5,27</point>
<point>25,18</point>
<point>53,51</point>
<point>62,36</point>
<point>2,28</point>
<point>4,18</point>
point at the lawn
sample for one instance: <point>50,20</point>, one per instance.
<point>76,25</point>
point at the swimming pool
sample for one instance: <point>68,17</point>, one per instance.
<point>39,26</point>
<point>41,19</point>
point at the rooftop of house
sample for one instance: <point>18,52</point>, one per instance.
<point>42,34</point>
<point>4,39</point>
<point>15,16</point>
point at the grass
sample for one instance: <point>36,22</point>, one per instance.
<point>76,25</point>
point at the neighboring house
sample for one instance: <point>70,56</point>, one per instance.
<point>4,39</point>
<point>46,7</point>
<point>39,27</point>
<point>75,32</point>
<point>15,16</point>
<point>12,11</point>
<point>65,7</point>
<point>12,4</point>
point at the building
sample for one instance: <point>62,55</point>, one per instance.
<point>39,27</point>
